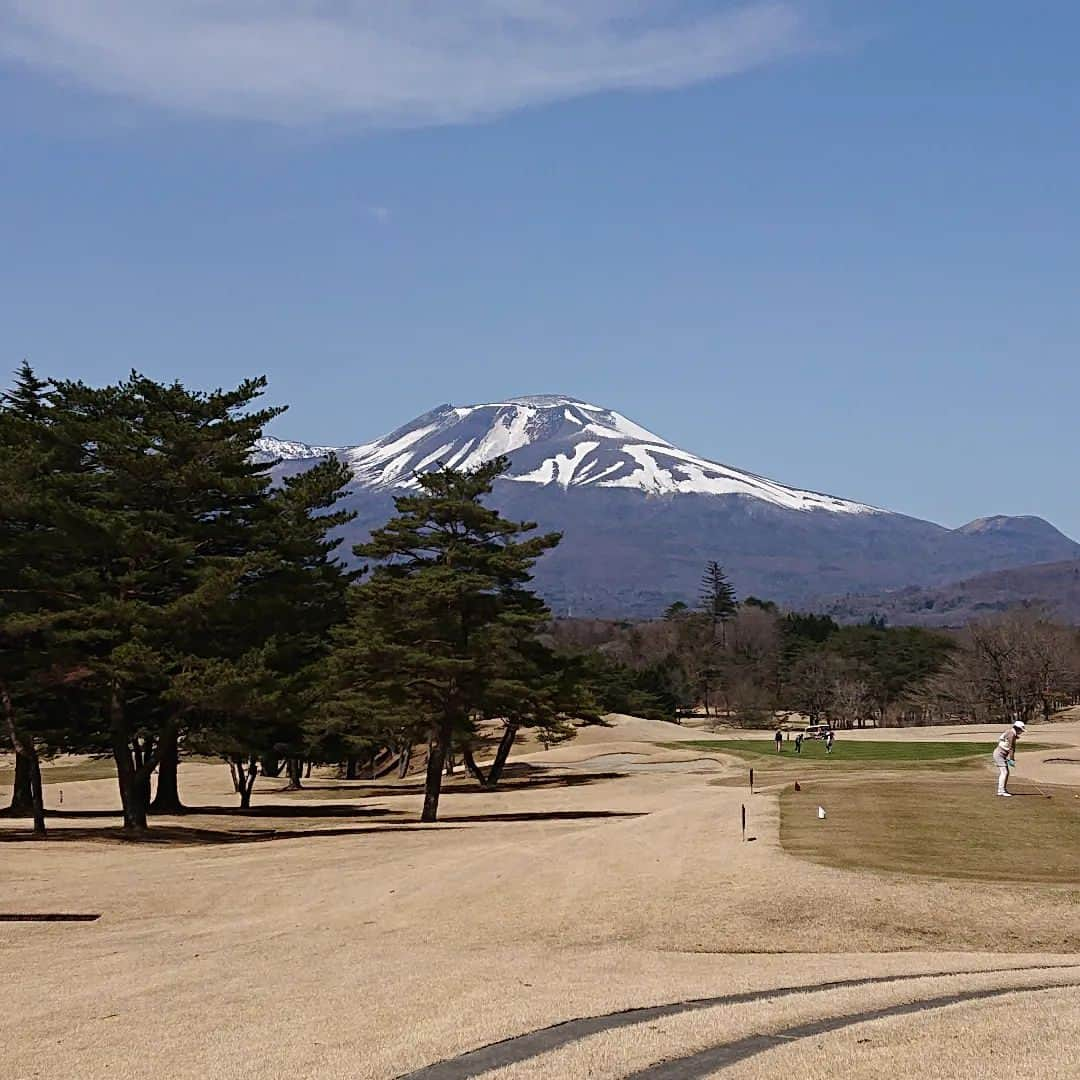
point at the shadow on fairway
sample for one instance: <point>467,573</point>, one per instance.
<point>517,781</point>
<point>181,836</point>
<point>266,810</point>
<point>551,815</point>
<point>48,916</point>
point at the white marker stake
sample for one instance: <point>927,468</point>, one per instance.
<point>821,813</point>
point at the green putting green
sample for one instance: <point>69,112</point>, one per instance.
<point>849,749</point>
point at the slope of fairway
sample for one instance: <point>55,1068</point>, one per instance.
<point>950,827</point>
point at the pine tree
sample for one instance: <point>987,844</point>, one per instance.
<point>718,605</point>
<point>255,695</point>
<point>717,596</point>
<point>529,686</point>
<point>450,584</point>
<point>155,513</point>
<point>27,460</point>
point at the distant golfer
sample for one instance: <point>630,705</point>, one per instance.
<point>1005,754</point>
<point>779,741</point>
<point>828,741</point>
<point>798,743</point>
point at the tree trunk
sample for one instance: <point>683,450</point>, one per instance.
<point>471,767</point>
<point>131,774</point>
<point>307,771</point>
<point>438,746</point>
<point>22,794</point>
<point>236,773</point>
<point>132,791</point>
<point>25,748</point>
<point>270,765</point>
<point>38,796</point>
<point>352,768</point>
<point>144,769</point>
<point>247,783</point>
<point>505,743</point>
<point>296,767</point>
<point>448,767</point>
<point>403,762</point>
<point>167,797</point>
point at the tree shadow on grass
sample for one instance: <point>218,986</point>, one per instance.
<point>266,810</point>
<point>459,785</point>
<point>185,836</point>
<point>541,815</point>
<point>291,810</point>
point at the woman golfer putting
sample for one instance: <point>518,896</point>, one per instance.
<point>1004,753</point>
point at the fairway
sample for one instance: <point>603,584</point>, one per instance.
<point>952,827</point>
<point>852,750</point>
<point>67,773</point>
<point>598,914</point>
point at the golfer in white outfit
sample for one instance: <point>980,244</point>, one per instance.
<point>1004,753</point>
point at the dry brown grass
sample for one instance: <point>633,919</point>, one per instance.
<point>366,954</point>
<point>938,826</point>
<point>614,1054</point>
<point>1030,1035</point>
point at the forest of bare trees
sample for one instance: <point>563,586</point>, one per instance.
<point>1019,665</point>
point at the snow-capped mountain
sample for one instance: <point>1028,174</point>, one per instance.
<point>269,449</point>
<point>640,517</point>
<point>553,440</point>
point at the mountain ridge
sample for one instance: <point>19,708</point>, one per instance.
<point>640,516</point>
<point>555,439</point>
<point>1053,587</point>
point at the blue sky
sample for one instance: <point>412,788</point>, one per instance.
<point>834,242</point>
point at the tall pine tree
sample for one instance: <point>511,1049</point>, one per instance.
<point>255,695</point>
<point>718,605</point>
<point>450,582</point>
<point>156,510</point>
<point>27,458</point>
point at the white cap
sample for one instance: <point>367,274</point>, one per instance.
<point>1019,725</point>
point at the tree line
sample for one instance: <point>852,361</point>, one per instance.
<point>747,662</point>
<point>161,596</point>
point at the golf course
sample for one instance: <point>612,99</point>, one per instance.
<point>600,914</point>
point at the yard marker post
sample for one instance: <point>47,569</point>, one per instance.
<point>744,822</point>
<point>751,781</point>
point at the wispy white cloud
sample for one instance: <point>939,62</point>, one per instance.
<point>386,63</point>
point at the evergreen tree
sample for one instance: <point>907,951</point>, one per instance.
<point>428,625</point>
<point>255,694</point>
<point>155,511</point>
<point>29,457</point>
<point>717,597</point>
<point>528,686</point>
<point>718,605</point>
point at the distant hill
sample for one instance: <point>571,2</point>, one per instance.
<point>1055,586</point>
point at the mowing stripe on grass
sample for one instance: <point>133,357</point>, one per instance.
<point>533,1043</point>
<point>707,1062</point>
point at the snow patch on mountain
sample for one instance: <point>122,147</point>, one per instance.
<point>553,440</point>
<point>269,449</point>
